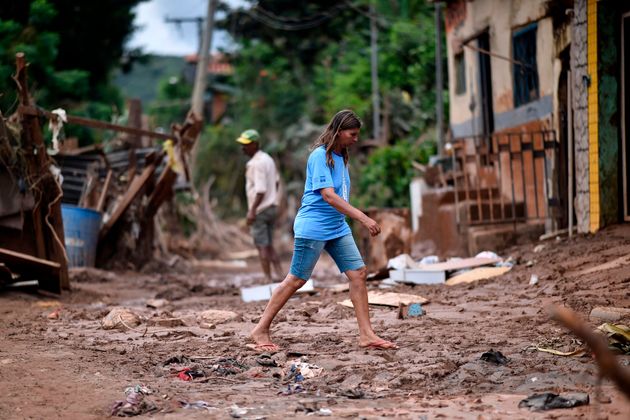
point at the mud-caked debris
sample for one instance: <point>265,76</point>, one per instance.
<point>549,401</point>
<point>495,357</point>
<point>121,318</point>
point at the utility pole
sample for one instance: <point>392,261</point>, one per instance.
<point>201,74</point>
<point>376,105</point>
<point>198,20</point>
<point>439,107</point>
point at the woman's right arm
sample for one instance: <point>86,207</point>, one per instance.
<point>329,196</point>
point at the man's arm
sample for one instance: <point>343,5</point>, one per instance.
<point>251,214</point>
<point>329,196</point>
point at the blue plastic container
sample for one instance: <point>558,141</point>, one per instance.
<point>80,228</point>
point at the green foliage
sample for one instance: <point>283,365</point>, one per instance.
<point>173,101</point>
<point>290,83</point>
<point>72,48</point>
<point>221,160</point>
<point>384,180</point>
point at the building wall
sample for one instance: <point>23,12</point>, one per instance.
<point>579,70</point>
<point>501,18</point>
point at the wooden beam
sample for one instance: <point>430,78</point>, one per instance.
<point>161,193</point>
<point>47,220</point>
<point>32,268</point>
<point>133,191</point>
<point>88,122</point>
<point>101,199</point>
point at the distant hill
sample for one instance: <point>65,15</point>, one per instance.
<point>142,82</point>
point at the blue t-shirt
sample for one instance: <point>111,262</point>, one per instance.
<point>316,219</point>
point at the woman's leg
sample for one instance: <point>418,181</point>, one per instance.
<point>359,298</point>
<point>348,258</point>
<point>306,252</point>
<point>279,297</point>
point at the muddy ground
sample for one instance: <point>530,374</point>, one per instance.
<point>68,366</point>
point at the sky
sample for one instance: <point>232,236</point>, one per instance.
<point>158,37</point>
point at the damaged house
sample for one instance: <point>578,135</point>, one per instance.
<point>536,122</point>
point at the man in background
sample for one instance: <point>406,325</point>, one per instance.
<point>261,187</point>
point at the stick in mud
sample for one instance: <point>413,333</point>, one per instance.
<point>605,358</point>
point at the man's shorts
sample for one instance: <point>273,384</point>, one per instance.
<point>306,252</point>
<point>262,228</point>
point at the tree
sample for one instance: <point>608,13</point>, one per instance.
<point>72,48</point>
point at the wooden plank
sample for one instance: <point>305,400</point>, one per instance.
<point>33,268</point>
<point>416,276</point>
<point>47,219</point>
<point>388,299</point>
<point>101,199</point>
<point>132,192</point>
<point>477,274</point>
<point>88,122</point>
<point>616,263</point>
<point>163,191</point>
<point>462,264</point>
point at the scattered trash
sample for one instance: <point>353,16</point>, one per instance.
<point>413,310</point>
<point>477,274</point>
<point>430,259</point>
<point>197,405</point>
<point>549,401</point>
<point>324,412</point>
<point>389,299</point>
<point>54,314</point>
<point>401,262</point>
<point>237,412</point>
<point>266,360</point>
<point>120,318</point>
<point>292,389</point>
<point>298,370</point>
<point>188,374</point>
<point>533,280</point>
<point>495,357</point>
<point>263,292</point>
<point>228,366</point>
<point>540,248</point>
<point>487,254</point>
<point>135,403</point>
<point>179,359</point>
<point>353,393</point>
<point>562,353</point>
<point>618,337</point>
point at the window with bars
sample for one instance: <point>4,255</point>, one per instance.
<point>460,74</point>
<point>525,69</point>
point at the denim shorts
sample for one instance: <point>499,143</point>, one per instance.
<point>306,252</point>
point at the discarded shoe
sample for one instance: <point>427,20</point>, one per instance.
<point>495,357</point>
<point>549,401</point>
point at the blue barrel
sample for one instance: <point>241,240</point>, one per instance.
<point>80,228</point>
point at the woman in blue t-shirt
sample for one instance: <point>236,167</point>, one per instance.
<point>321,225</point>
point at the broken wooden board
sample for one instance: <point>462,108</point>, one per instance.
<point>32,268</point>
<point>263,292</point>
<point>455,265</point>
<point>418,276</point>
<point>616,263</point>
<point>477,274</point>
<point>388,299</point>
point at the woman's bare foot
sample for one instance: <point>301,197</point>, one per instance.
<point>262,339</point>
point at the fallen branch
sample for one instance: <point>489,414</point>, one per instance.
<point>605,359</point>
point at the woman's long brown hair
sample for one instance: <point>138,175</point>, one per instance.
<point>343,120</point>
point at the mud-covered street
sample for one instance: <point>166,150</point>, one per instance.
<point>57,361</point>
